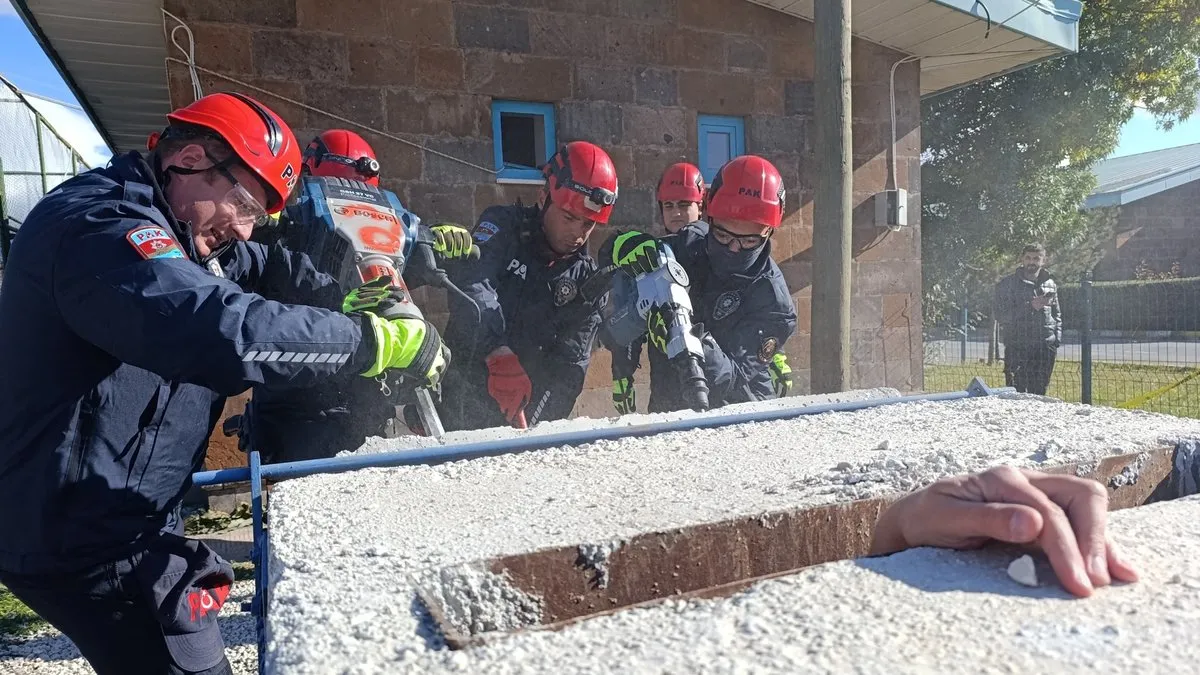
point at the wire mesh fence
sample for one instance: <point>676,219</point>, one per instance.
<point>1125,344</point>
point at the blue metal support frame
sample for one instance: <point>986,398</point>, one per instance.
<point>258,555</point>
<point>257,473</point>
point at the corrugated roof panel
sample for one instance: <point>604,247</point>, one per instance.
<point>1122,173</point>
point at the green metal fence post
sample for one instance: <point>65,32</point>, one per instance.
<point>1085,341</point>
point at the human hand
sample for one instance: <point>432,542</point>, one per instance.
<point>624,397</point>
<point>509,385</point>
<point>1039,302</point>
<point>373,295</point>
<point>1063,515</point>
<point>636,253</point>
<point>453,241</point>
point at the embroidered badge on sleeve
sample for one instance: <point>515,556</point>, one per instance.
<point>154,242</point>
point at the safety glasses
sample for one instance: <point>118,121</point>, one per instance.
<point>724,237</point>
<point>247,209</point>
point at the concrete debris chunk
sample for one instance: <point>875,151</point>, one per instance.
<point>1023,571</point>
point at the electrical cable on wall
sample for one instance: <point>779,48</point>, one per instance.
<point>197,92</point>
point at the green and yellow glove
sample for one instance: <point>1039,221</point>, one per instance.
<point>624,397</point>
<point>781,374</point>
<point>659,321</point>
<point>451,241</point>
<point>371,295</point>
<point>636,253</point>
<point>411,346</point>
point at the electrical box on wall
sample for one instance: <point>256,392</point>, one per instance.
<point>891,208</point>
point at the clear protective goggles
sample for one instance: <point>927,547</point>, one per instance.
<point>247,209</point>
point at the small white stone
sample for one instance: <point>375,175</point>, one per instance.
<point>1023,572</point>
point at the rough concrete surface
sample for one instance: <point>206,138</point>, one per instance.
<point>344,545</point>
<point>406,442</point>
<point>919,611</point>
<point>50,652</point>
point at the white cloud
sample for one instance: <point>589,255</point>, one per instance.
<point>6,8</point>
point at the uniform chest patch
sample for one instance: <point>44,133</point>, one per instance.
<point>727,303</point>
<point>484,231</point>
<point>154,242</point>
<point>565,291</point>
<point>766,351</point>
<point>517,267</point>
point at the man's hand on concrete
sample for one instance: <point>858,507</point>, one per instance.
<point>1065,516</point>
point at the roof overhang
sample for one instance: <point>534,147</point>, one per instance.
<point>111,53</point>
<point>1129,195</point>
<point>960,42</point>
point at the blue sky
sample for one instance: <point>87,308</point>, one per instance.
<point>24,64</point>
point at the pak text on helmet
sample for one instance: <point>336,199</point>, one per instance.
<point>747,188</point>
<point>581,180</point>
<point>262,141</point>
<point>340,153</point>
<point>681,182</point>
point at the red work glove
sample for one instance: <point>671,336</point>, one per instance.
<point>510,386</point>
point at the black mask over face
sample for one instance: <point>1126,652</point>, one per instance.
<point>726,263</point>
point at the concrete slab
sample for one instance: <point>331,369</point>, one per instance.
<point>343,546</point>
<point>919,611</point>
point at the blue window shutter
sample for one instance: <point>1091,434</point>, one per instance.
<point>721,139</point>
<point>544,137</point>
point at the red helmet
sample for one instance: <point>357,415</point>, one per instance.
<point>747,188</point>
<point>341,153</point>
<point>259,137</point>
<point>582,181</point>
<point>681,182</point>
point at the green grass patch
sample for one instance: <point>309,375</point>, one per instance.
<point>15,618</point>
<point>1113,384</point>
<point>212,522</point>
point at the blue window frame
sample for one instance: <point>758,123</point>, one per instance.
<point>522,138</point>
<point>721,139</point>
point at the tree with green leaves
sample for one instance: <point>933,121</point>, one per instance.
<point>1009,160</point>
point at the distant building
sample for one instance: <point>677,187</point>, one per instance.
<point>1158,196</point>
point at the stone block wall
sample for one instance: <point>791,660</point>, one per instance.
<point>1161,231</point>
<point>631,75</point>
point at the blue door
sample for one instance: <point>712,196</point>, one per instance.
<point>721,139</point>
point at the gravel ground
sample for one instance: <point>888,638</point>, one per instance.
<point>50,652</point>
<point>343,545</point>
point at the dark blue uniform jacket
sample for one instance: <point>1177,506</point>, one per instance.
<point>117,348</point>
<point>515,287</point>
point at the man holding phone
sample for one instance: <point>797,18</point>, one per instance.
<point>1030,322</point>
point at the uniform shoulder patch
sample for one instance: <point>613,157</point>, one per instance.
<point>766,351</point>
<point>151,241</point>
<point>485,231</point>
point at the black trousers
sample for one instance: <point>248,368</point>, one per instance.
<point>103,611</point>
<point>1027,368</point>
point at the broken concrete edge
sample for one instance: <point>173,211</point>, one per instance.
<point>575,583</point>
<point>468,599</point>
